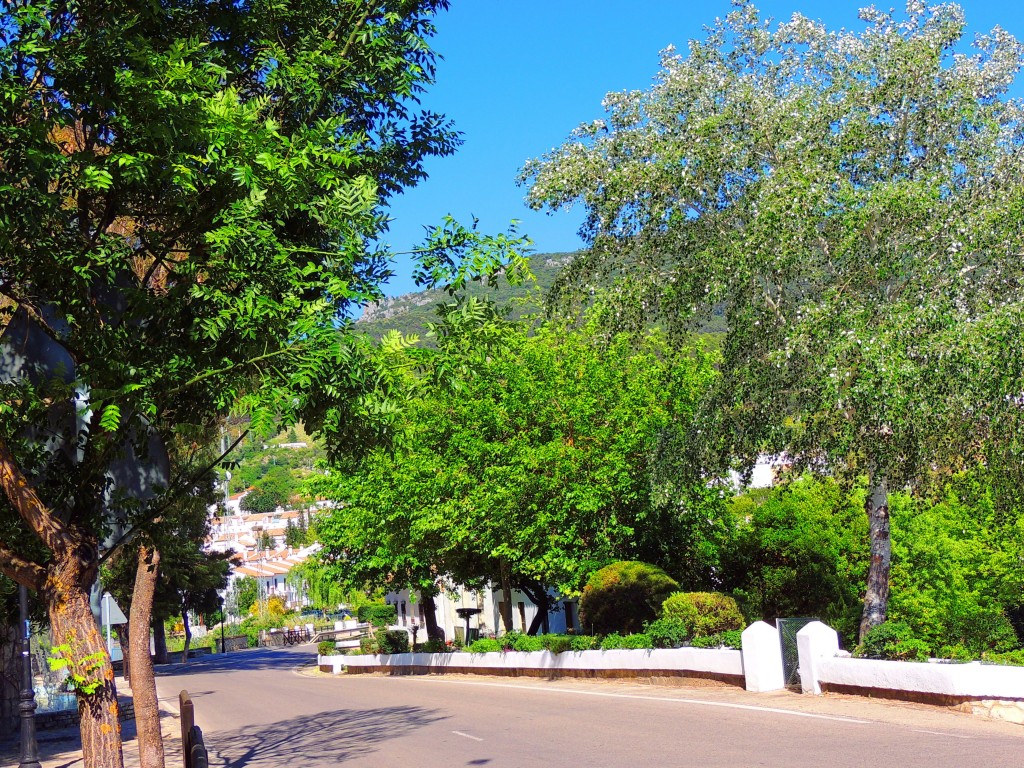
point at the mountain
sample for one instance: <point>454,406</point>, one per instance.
<point>409,313</point>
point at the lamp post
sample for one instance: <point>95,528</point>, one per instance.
<point>27,705</point>
<point>223,647</point>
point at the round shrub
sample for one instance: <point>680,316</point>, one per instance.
<point>393,640</point>
<point>703,613</point>
<point>326,648</point>
<point>624,596</point>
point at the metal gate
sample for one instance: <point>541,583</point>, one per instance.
<point>790,656</point>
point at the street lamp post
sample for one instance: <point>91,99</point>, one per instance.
<point>223,647</point>
<point>27,705</point>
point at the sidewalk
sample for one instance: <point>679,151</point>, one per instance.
<point>62,748</point>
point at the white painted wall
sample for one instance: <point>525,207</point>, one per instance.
<point>974,679</point>
<point>724,661</point>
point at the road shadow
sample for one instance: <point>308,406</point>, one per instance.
<point>324,739</point>
<point>243,661</point>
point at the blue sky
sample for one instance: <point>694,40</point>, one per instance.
<point>519,75</point>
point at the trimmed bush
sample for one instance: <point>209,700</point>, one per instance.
<point>732,638</point>
<point>584,642</point>
<point>895,641</point>
<point>667,632</point>
<point>326,648</point>
<point>378,614</point>
<point>557,643</point>
<point>434,646</point>
<point>1013,658</point>
<point>369,645</point>
<point>525,643</point>
<point>616,641</point>
<point>484,645</point>
<point>704,613</point>
<point>392,640</point>
<point>624,596</point>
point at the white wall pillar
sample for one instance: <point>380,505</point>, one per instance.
<point>762,658</point>
<point>815,642</point>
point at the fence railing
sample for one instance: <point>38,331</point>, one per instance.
<point>193,748</point>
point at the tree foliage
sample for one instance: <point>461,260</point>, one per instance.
<point>798,550</point>
<point>535,471</point>
<point>193,203</point>
<point>852,199</point>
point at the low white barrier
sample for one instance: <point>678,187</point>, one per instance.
<point>970,681</point>
<point>723,662</point>
<point>988,689</point>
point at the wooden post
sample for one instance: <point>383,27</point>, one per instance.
<point>188,719</point>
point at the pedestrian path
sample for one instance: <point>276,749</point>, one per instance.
<point>62,747</point>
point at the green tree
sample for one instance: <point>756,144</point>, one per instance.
<point>955,575</point>
<point>244,594</point>
<point>798,550</point>
<point>192,200</point>
<point>294,535</point>
<point>533,473</point>
<point>851,199</point>
<point>273,490</point>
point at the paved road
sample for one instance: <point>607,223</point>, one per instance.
<point>259,710</point>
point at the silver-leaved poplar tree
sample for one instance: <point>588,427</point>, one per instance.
<point>851,202</point>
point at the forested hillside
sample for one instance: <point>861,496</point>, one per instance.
<point>409,313</point>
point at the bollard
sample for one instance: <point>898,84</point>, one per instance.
<point>198,757</point>
<point>188,721</point>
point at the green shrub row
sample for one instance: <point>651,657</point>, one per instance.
<point>897,641</point>
<point>892,640</point>
<point>378,614</point>
<point>515,641</point>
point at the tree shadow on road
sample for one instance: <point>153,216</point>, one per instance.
<point>242,661</point>
<point>321,739</point>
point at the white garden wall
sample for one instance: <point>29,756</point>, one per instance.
<point>973,680</point>
<point>724,663</point>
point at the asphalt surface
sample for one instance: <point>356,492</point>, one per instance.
<point>270,708</point>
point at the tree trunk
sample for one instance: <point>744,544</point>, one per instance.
<point>159,641</point>
<point>539,597</point>
<point>147,710</point>
<point>506,595</point>
<point>64,586</point>
<point>188,635</point>
<point>876,598</point>
<point>77,637</point>
<point>434,632</point>
<point>121,630</point>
